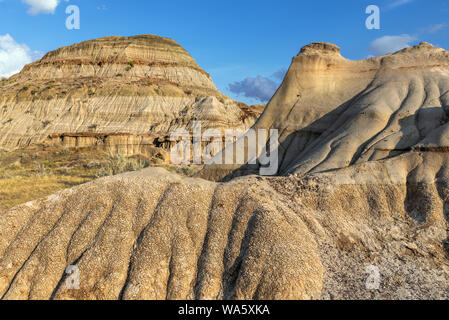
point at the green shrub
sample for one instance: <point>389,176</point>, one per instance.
<point>130,65</point>
<point>118,163</point>
<point>41,170</point>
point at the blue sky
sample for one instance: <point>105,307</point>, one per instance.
<point>242,44</point>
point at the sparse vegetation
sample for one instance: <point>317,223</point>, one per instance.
<point>41,170</point>
<point>117,163</point>
<point>130,65</point>
<point>38,171</point>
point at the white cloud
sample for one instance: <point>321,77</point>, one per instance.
<point>390,44</point>
<point>398,3</point>
<point>260,88</point>
<point>14,56</point>
<point>41,6</point>
<point>434,28</point>
<point>280,74</point>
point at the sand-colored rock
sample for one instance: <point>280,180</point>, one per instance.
<point>332,112</point>
<point>365,185</point>
<point>115,143</point>
<point>154,235</point>
<point>129,85</point>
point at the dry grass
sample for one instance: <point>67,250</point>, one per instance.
<point>36,172</point>
<point>117,164</point>
<point>17,190</point>
<point>39,171</point>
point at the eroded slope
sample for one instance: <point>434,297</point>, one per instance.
<point>332,112</point>
<point>154,235</point>
<point>131,85</point>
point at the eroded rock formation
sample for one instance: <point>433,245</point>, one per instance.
<point>365,185</point>
<point>114,85</point>
<point>154,235</point>
<point>333,113</point>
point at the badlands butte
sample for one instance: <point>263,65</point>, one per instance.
<point>122,92</point>
<point>362,181</point>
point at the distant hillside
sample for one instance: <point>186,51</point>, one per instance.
<point>132,85</point>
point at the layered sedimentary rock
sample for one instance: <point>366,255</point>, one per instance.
<point>128,85</point>
<point>113,143</point>
<point>333,113</point>
<point>360,211</point>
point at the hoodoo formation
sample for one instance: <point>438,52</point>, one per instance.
<point>140,85</point>
<point>362,184</point>
<point>332,113</point>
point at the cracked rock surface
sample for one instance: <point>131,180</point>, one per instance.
<point>154,235</point>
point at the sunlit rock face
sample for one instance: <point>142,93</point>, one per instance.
<point>131,85</point>
<point>155,235</point>
<point>333,113</point>
<point>359,209</point>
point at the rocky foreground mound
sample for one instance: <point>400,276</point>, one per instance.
<point>154,235</point>
<point>113,87</point>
